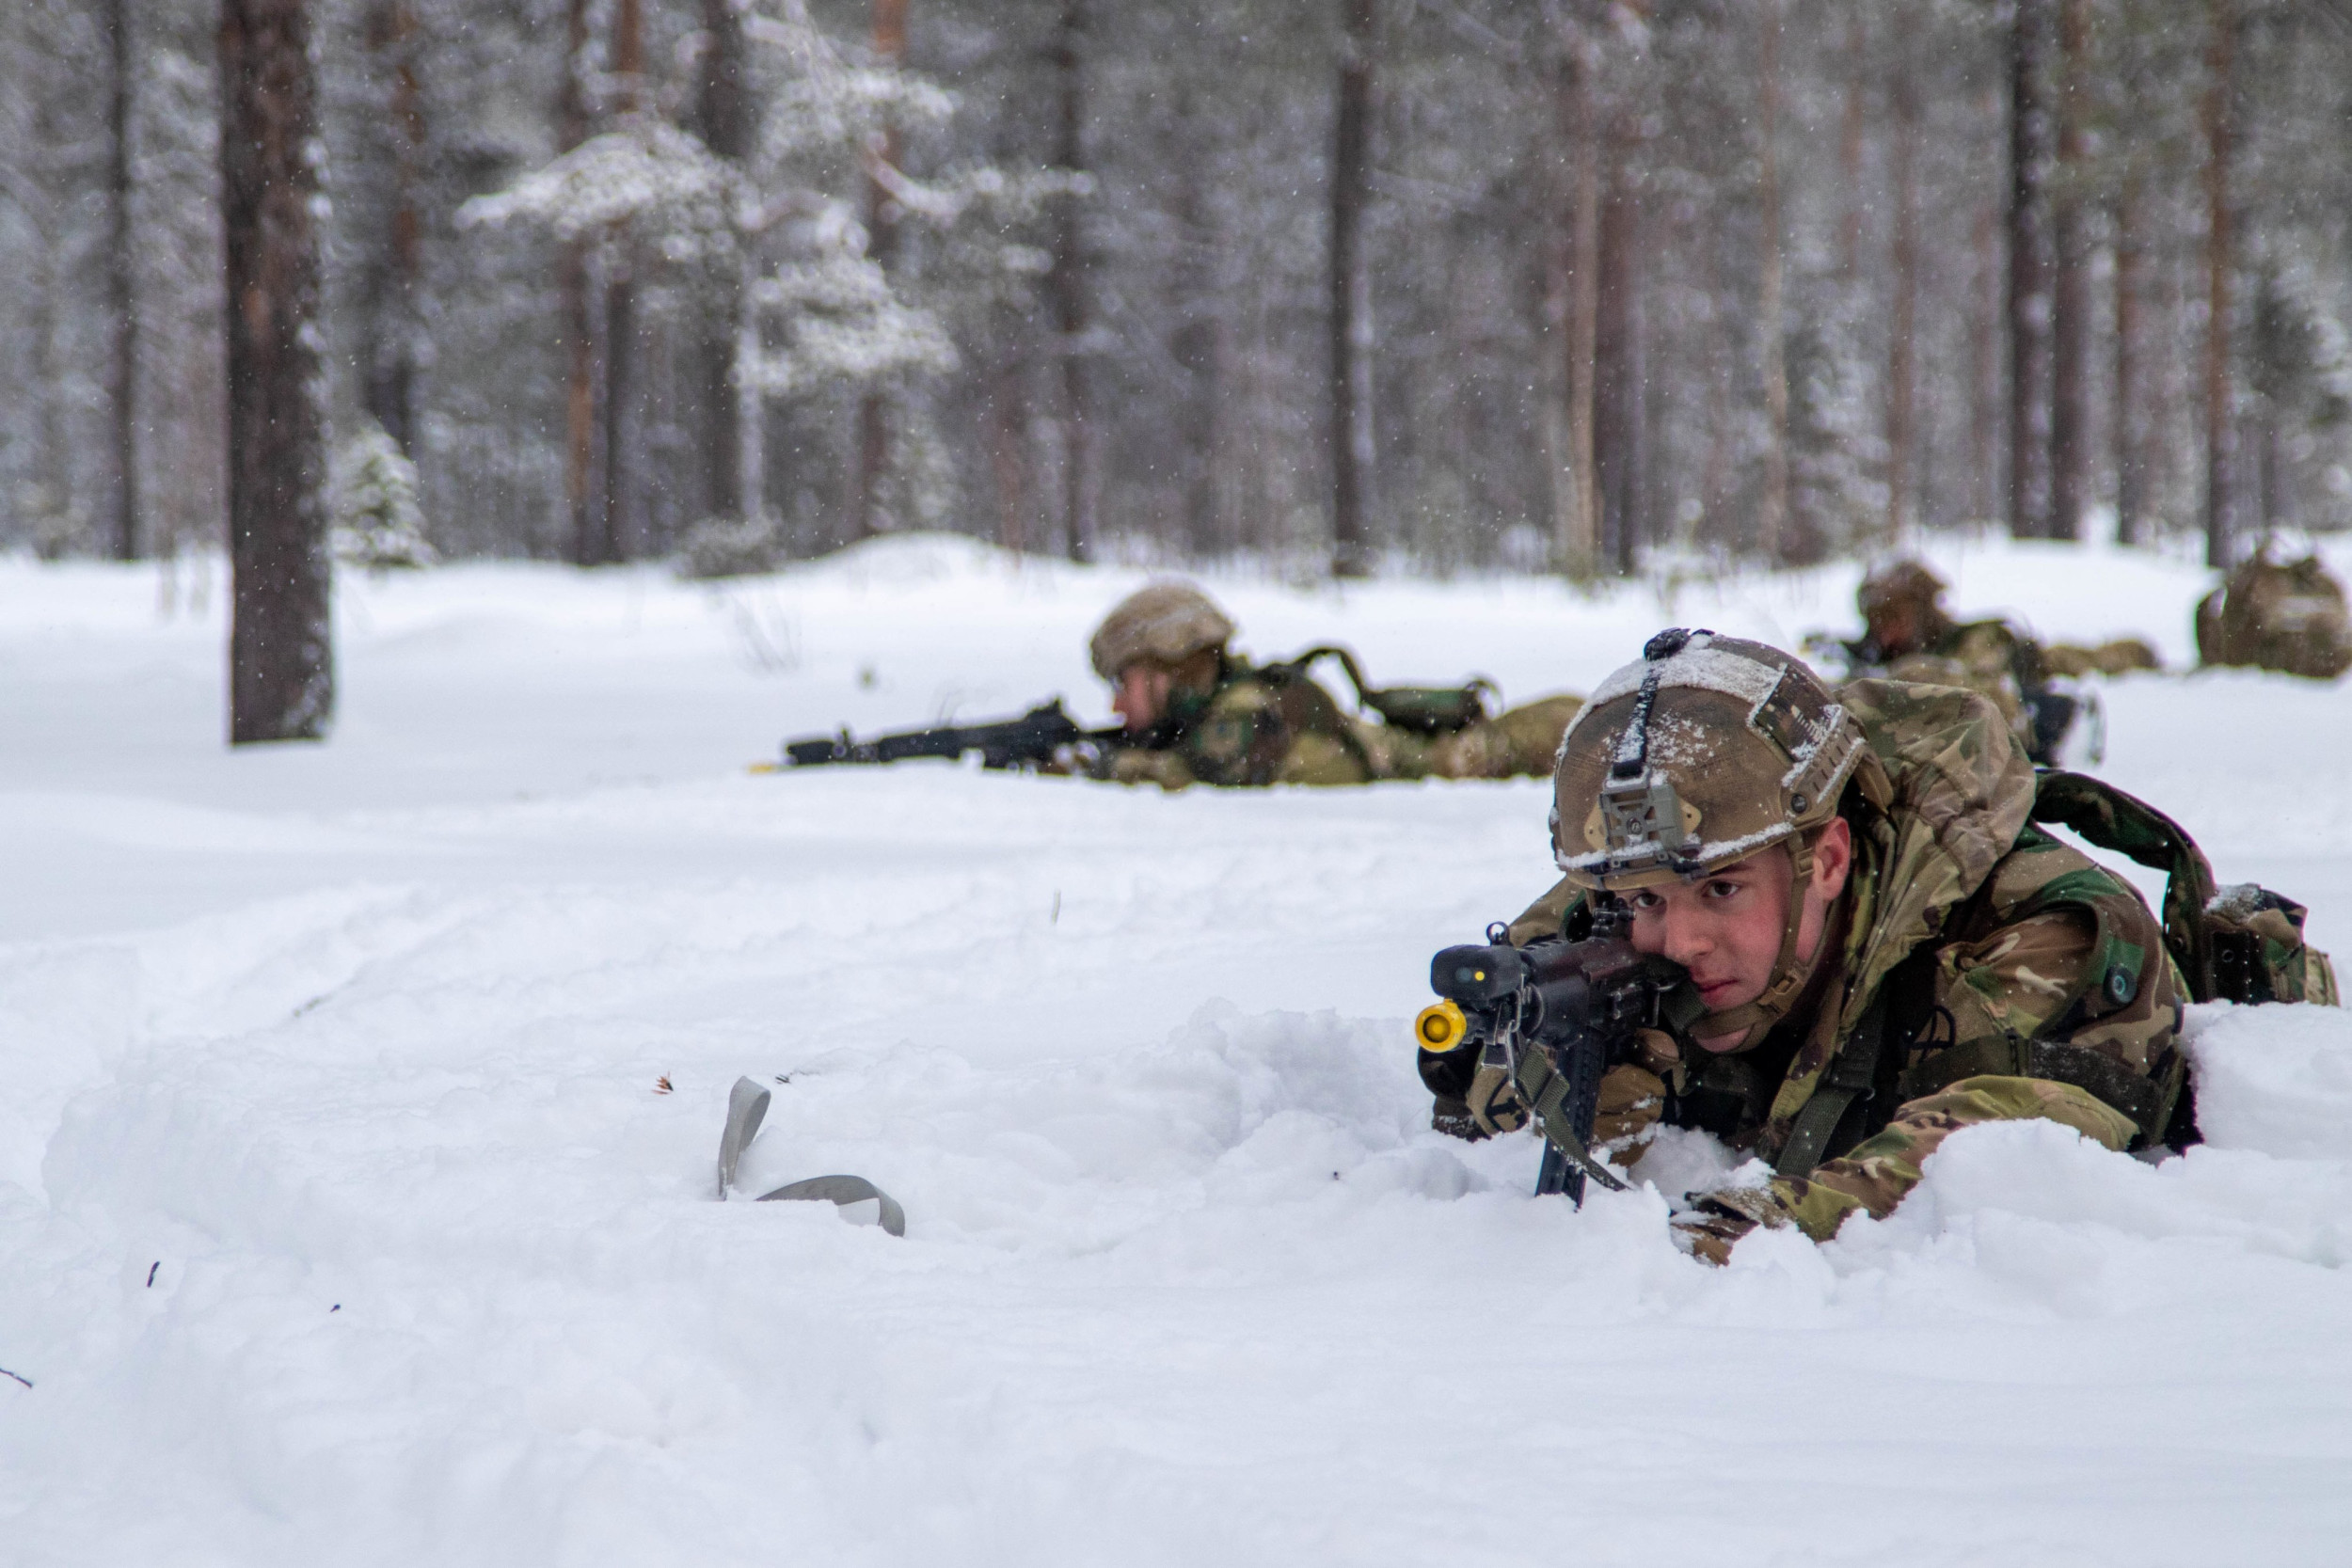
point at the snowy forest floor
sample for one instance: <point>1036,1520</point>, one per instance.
<point>343,1221</point>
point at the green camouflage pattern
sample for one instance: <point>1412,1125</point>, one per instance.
<point>1991,658</point>
<point>1273,726</point>
<point>1874,1175</point>
<point>2032,940</point>
<point>1252,729</point>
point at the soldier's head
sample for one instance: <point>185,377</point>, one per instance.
<point>1902,604</point>
<point>1701,785</point>
<point>1164,639</point>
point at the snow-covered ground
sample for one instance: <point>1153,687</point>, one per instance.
<point>342,1220</point>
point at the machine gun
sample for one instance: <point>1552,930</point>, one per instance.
<point>1037,738</point>
<point>1550,1019</point>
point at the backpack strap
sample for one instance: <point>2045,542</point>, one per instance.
<point>1824,1127</point>
<point>1428,711</point>
<point>2108,818</point>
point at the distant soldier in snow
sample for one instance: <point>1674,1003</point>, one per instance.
<point>2288,616</point>
<point>1883,947</point>
<point>1909,636</point>
<point>1196,712</point>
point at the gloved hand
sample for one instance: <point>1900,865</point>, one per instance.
<point>1709,1231</point>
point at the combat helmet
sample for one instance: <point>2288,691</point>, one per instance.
<point>1709,751</point>
<point>1899,586</point>
<point>1165,622</point>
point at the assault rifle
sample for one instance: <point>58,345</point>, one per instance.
<point>1038,738</point>
<point>1549,1018</point>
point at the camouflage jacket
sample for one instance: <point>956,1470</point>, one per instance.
<point>1276,725</point>
<point>1986,971</point>
<point>1991,658</point>
<point>1253,727</point>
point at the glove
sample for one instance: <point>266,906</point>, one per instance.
<point>1709,1231</point>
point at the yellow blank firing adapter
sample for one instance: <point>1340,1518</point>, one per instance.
<point>1440,1027</point>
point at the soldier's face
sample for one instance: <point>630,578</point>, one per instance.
<point>1725,929</point>
<point>1140,696</point>
<point>1896,628</point>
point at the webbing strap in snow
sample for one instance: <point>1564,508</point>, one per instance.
<point>747,1105</point>
<point>843,1191</point>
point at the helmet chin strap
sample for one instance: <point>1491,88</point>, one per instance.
<point>1753,1020</point>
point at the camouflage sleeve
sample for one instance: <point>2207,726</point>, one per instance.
<point>1143,765</point>
<point>1240,738</point>
<point>1879,1171</point>
<point>2042,977</point>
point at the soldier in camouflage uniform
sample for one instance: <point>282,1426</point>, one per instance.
<point>2288,616</point>
<point>1885,949</point>
<point>1196,712</point>
<point>1910,637</point>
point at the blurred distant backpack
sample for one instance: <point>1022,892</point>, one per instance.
<point>2288,616</point>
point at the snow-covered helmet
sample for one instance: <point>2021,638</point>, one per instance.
<point>1167,621</point>
<point>1706,752</point>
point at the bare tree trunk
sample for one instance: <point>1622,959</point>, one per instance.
<point>280,644</point>
<point>1901,375</point>
<point>388,386</point>
<point>881,226</point>
<point>1849,144</point>
<point>2029,274</point>
<point>723,121</point>
<point>1571,308</point>
<point>2131,406</point>
<point>1353,450</point>
<point>579,338</point>
<point>1009,451</point>
<point>1618,362</point>
<point>2070,319</point>
<point>1989,300</point>
<point>2220,413</point>
<point>1072,307</point>
<point>122,288</point>
<point>1198,343</point>
<point>1771,522</point>
<point>624,355</point>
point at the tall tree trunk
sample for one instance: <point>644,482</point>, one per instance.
<point>2069,294</point>
<point>1067,284</point>
<point>881,228</point>
<point>580,337</point>
<point>731,475</point>
<point>1353,451</point>
<point>2029,274</point>
<point>2131,403</point>
<point>1771,524</point>
<point>2220,413</point>
<point>388,386</point>
<point>1901,375</point>
<point>1198,343</point>
<point>122,288</point>
<point>1009,451</point>
<point>1849,144</point>
<point>1617,361</point>
<point>1572,307</point>
<point>1989,296</point>
<point>280,644</point>
<point>624,355</point>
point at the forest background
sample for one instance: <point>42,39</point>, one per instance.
<point>1343,286</point>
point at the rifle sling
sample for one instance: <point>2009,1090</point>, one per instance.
<point>1547,1092</point>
